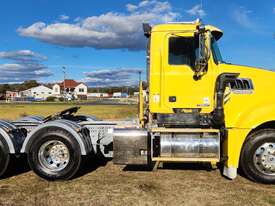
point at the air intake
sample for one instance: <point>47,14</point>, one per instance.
<point>241,85</point>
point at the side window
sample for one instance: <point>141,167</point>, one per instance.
<point>182,51</point>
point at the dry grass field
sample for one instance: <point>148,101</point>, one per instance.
<point>14,111</point>
<point>104,184</point>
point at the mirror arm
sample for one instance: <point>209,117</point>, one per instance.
<point>204,53</point>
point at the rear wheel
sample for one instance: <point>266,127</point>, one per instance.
<point>55,155</point>
<point>4,158</point>
<point>258,156</point>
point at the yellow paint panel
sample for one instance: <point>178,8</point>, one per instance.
<point>232,146</point>
<point>243,111</point>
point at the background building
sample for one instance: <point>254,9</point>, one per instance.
<point>98,95</point>
<point>71,88</point>
<point>120,95</point>
<point>11,95</point>
<point>38,93</point>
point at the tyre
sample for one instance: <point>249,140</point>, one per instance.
<point>4,157</point>
<point>258,156</point>
<point>54,155</point>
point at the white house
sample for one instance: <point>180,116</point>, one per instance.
<point>11,95</point>
<point>70,87</point>
<point>81,89</point>
<point>40,92</point>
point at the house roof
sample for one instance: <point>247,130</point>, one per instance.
<point>69,83</point>
<point>41,87</point>
<point>38,87</point>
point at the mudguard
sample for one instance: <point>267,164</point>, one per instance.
<point>76,130</point>
<point>11,136</point>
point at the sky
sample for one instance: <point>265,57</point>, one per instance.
<point>101,42</point>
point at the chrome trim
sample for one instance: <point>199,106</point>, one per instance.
<point>264,159</point>
<point>248,90</point>
<point>191,145</point>
<point>54,155</point>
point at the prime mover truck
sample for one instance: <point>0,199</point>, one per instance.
<point>194,107</point>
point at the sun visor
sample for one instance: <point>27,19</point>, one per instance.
<point>216,32</point>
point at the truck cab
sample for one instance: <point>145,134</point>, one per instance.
<point>192,89</point>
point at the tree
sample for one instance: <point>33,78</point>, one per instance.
<point>4,88</point>
<point>30,83</point>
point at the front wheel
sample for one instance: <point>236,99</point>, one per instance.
<point>55,155</point>
<point>4,158</point>
<point>258,156</point>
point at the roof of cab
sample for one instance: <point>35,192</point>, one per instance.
<point>187,26</point>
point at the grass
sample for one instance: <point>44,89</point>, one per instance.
<point>111,185</point>
<point>270,200</point>
<point>14,111</point>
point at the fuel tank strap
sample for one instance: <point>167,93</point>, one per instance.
<point>183,130</point>
<point>182,159</point>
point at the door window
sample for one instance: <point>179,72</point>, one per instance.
<point>182,51</point>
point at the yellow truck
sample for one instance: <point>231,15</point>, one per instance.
<point>193,91</point>
<point>194,108</point>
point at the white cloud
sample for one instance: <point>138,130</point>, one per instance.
<point>26,65</point>
<point>107,31</point>
<point>63,17</point>
<point>196,10</point>
<point>274,10</point>
<point>112,77</point>
<point>131,7</point>
<point>22,55</point>
<point>22,72</point>
<point>241,16</point>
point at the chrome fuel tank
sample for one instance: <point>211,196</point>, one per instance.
<point>190,145</point>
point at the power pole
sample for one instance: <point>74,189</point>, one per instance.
<point>64,84</point>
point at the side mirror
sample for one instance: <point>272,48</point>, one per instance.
<point>202,51</point>
<point>147,29</point>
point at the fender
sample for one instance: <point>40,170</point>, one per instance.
<point>239,126</point>
<point>255,116</point>
<point>7,139</point>
<point>12,139</point>
<point>69,126</point>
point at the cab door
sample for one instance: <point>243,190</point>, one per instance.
<point>180,88</point>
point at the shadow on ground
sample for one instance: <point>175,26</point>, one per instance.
<point>17,166</point>
<point>171,166</point>
<point>90,163</point>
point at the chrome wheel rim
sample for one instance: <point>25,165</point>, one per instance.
<point>54,155</point>
<point>264,158</point>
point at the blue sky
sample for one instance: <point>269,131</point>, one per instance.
<point>101,42</point>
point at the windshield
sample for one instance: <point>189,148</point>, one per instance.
<point>216,51</point>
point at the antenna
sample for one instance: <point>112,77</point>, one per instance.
<point>201,9</point>
<point>64,71</point>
